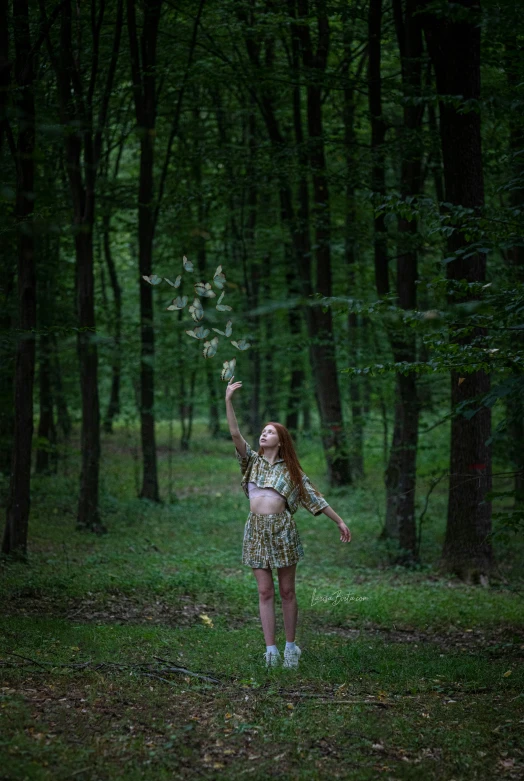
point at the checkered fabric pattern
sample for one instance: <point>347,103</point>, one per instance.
<point>271,541</point>
<point>257,469</point>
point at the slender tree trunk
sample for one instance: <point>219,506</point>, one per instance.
<point>201,254</point>
<point>113,408</point>
<point>271,397</point>
<point>252,273</point>
<point>401,470</point>
<point>46,461</point>
<point>350,242</point>
<point>149,488</point>
<point>325,367</point>
<point>18,502</point>
<point>83,150</point>
<point>454,47</point>
<point>62,411</point>
<point>436,161</point>
<point>143,68</point>
<point>88,512</point>
<point>514,405</point>
<point>186,409</point>
<point>378,135</point>
<point>400,477</point>
<point>7,264</point>
<point>7,366</point>
<point>297,376</point>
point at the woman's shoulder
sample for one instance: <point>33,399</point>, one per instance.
<point>250,459</point>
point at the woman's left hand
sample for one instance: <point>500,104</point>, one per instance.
<point>345,534</point>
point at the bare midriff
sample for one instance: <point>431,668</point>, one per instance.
<point>265,501</point>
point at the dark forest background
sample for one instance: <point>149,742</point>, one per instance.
<point>357,170</point>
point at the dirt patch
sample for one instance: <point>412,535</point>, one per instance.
<point>120,608</point>
<point>501,641</point>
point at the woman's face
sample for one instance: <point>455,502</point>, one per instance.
<point>269,437</point>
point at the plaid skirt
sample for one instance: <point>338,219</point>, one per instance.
<point>271,541</point>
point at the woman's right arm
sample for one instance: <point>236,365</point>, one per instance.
<point>238,439</point>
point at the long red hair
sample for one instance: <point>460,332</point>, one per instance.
<point>288,453</point>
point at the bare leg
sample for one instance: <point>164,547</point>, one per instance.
<point>266,601</point>
<point>286,584</point>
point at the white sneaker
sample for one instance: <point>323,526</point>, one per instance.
<point>272,659</point>
<point>291,657</point>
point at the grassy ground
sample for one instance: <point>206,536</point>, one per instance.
<point>403,674</point>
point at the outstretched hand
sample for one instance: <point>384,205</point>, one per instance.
<point>231,387</point>
<point>345,534</point>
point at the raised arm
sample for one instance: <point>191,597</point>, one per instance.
<point>238,439</point>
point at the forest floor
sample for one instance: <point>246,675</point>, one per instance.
<point>138,654</point>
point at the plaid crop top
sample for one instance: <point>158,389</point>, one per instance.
<point>257,469</point>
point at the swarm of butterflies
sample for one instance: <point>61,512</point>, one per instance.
<point>196,310</point>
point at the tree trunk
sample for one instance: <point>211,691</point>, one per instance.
<point>401,470</point>
<point>83,146</point>
<point>515,407</point>
<point>143,68</point>
<point>322,356</point>
<point>201,254</point>
<point>7,365</point>
<point>297,376</point>
<point>350,242</point>
<point>62,412</point>
<point>18,502</point>
<point>46,460</point>
<point>271,396</point>
<point>7,266</point>
<point>454,47</point>
<point>252,273</point>
<point>400,477</point>
<point>325,366</point>
<point>88,513</point>
<point>113,408</point>
<point>378,135</point>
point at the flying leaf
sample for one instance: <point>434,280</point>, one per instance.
<point>204,289</point>
<point>198,333</point>
<point>461,380</point>
<point>153,279</point>
<point>219,278</point>
<point>196,311</point>
<point>188,266</point>
<point>222,307</point>
<point>228,330</point>
<point>241,345</point>
<point>176,283</point>
<point>228,370</point>
<point>210,348</point>
<point>178,303</point>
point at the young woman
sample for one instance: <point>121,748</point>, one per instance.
<point>275,485</point>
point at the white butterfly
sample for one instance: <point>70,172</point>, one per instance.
<point>153,279</point>
<point>219,278</point>
<point>188,266</point>
<point>210,348</point>
<point>196,311</point>
<point>198,333</point>
<point>241,345</point>
<point>228,370</point>
<point>228,330</point>
<point>222,307</point>
<point>204,289</point>
<point>178,303</point>
<point>176,283</point>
